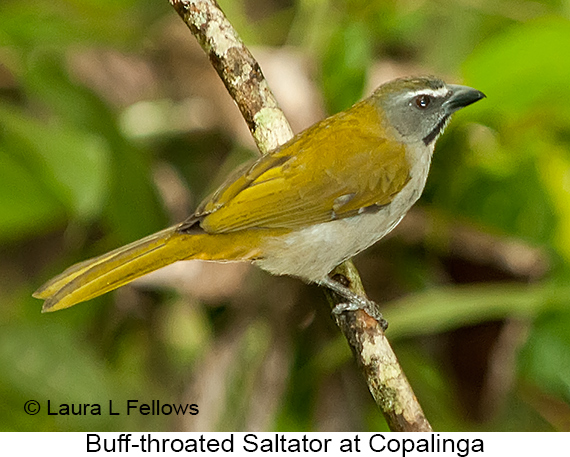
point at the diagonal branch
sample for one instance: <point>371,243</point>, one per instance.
<point>384,375</point>
<point>245,82</point>
<point>238,70</point>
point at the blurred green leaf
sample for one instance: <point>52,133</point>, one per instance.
<point>544,360</point>
<point>45,360</point>
<point>131,207</point>
<point>524,72</point>
<point>345,65</point>
<point>26,205</point>
<point>505,194</point>
<point>73,164</point>
<point>447,308</point>
<point>63,23</point>
<point>523,68</point>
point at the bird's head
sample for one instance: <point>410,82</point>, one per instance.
<point>418,109</point>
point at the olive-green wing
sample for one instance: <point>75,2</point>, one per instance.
<point>333,170</point>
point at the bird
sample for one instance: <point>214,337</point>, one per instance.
<point>304,208</point>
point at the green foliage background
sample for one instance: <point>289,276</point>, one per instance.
<point>73,184</point>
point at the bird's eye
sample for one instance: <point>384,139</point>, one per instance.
<point>423,101</point>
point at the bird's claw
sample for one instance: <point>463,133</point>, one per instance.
<point>366,305</point>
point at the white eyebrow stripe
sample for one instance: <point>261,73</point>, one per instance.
<point>441,92</point>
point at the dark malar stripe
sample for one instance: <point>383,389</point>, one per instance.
<point>436,131</point>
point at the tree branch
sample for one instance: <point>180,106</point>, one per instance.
<point>384,375</point>
<point>238,70</point>
<point>246,84</point>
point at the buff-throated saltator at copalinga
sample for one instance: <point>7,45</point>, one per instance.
<point>304,208</point>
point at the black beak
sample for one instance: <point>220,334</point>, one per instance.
<point>460,97</point>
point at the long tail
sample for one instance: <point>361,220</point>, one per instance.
<point>102,274</point>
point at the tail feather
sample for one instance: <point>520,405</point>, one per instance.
<point>53,285</point>
<point>102,274</point>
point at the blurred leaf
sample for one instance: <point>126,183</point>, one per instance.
<point>527,65</point>
<point>544,361</point>
<point>555,172</point>
<point>345,65</point>
<point>132,208</point>
<point>448,308</point>
<point>26,205</point>
<point>60,23</point>
<point>504,192</point>
<point>73,164</point>
<point>45,360</point>
<point>524,72</point>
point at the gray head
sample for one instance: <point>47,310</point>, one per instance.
<point>419,108</point>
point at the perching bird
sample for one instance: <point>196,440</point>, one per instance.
<point>304,208</point>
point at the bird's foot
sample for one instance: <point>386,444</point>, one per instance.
<point>354,301</point>
<point>369,307</point>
